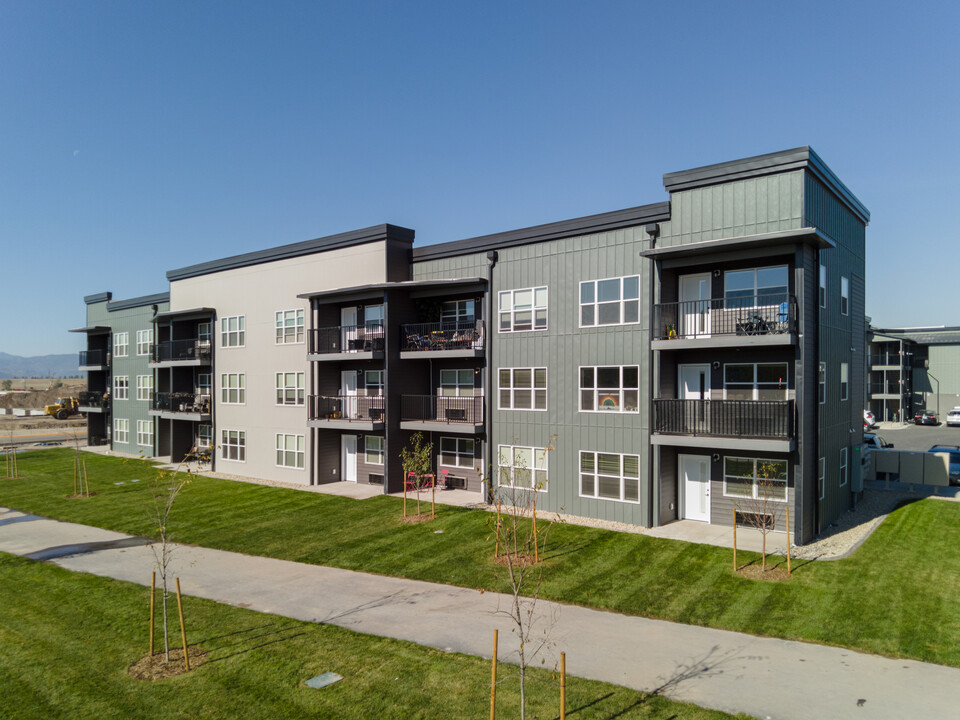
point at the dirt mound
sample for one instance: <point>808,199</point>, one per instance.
<point>36,399</point>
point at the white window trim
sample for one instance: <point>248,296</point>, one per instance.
<point>121,426</point>
<point>844,295</point>
<point>512,311</point>
<point>280,399</point>
<point>756,288</point>
<point>379,385</point>
<point>458,465</point>
<point>117,345</point>
<point>596,404</point>
<point>823,286</point>
<point>756,479</point>
<point>596,475</point>
<point>145,389</point>
<point>458,317</point>
<point>758,385</point>
<point>533,390</point>
<point>141,433</point>
<point>144,342</point>
<point>281,328</point>
<point>844,381</point>
<point>462,390</point>
<point>240,332</point>
<point>121,387</point>
<point>535,453</point>
<point>241,445</point>
<point>822,383</point>
<point>596,303</point>
<point>298,455</point>
<point>381,452</point>
<point>822,477</point>
<point>844,469</point>
<point>225,388</point>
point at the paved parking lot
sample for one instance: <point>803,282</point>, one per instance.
<point>918,437</point>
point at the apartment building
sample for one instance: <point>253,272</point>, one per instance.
<point>643,365</point>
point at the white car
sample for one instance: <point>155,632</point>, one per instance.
<point>953,417</point>
<point>869,419</point>
<point>874,441</point>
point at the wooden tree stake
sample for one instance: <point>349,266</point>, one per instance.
<point>536,546</point>
<point>788,540</point>
<point>153,595</point>
<point>183,630</point>
<point>496,550</point>
<point>405,477</point>
<point>493,678</point>
<point>734,539</point>
<point>563,686</point>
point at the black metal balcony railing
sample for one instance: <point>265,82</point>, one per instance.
<point>94,357</point>
<point>346,338</point>
<point>185,402</point>
<point>455,335</point>
<point>442,408</point>
<point>193,349</point>
<point>763,419</point>
<point>359,408</point>
<point>88,398</point>
<point>763,314</point>
<point>884,388</point>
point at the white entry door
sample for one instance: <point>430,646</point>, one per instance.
<point>348,458</point>
<point>695,485</point>
<point>694,306</point>
<point>348,393</point>
<point>348,329</point>
<point>694,382</point>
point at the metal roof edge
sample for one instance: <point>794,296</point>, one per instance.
<point>97,297</point>
<point>141,301</point>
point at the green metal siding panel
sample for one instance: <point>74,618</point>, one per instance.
<point>462,266</point>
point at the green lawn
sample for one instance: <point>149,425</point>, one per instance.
<point>68,643</point>
<point>896,596</point>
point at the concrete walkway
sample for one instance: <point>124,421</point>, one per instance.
<point>729,671</point>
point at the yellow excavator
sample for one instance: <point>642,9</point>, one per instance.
<point>63,408</point>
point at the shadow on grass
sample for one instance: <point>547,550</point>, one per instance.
<point>270,635</point>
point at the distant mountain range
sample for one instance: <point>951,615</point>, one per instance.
<point>39,366</point>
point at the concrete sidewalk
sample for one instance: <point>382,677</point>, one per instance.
<point>729,671</point>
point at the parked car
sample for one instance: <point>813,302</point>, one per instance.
<point>953,417</point>
<point>926,417</point>
<point>954,451</point>
<point>872,440</point>
<point>869,419</point>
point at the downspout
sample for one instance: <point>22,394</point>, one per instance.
<point>653,382</point>
<point>488,378</point>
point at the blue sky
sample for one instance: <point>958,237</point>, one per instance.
<point>136,138</point>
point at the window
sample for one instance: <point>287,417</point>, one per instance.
<point>144,342</point>
<point>290,450</point>
<point>457,452</point>
<point>756,286</point>
<point>755,478</point>
<point>232,390</point>
<point>373,449</point>
<point>615,301</point>
<point>823,286</point>
<point>121,387</point>
<point>456,383</point>
<point>610,476</point>
<point>289,388</point>
<point>233,445</point>
<point>844,296</point>
<point>121,342</point>
<point>843,467</point>
<point>121,430</point>
<point>461,311</point>
<point>204,380</point>
<point>821,477</point>
<point>522,310</point>
<point>822,380</point>
<point>205,437</point>
<point>373,380</point>
<point>289,326</point>
<point>145,387</point>
<point>844,380</point>
<point>755,381</point>
<point>523,388</point>
<point>232,332</point>
<point>145,433</point>
<point>203,332</point>
<point>523,467</point>
<point>610,389</point>
<point>373,317</point>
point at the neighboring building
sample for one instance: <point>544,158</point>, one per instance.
<point>641,365</point>
<point>914,368</point>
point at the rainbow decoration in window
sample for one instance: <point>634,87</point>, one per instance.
<point>609,402</point>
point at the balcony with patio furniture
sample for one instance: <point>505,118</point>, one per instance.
<point>762,319</point>
<point>173,353</point>
<point>761,425</point>
<point>347,412</point>
<point>444,339</point>
<point>181,406</point>
<point>346,342</point>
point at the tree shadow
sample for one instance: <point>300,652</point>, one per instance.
<point>272,635</point>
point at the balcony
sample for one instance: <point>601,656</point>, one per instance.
<point>346,342</point>
<point>890,389</point>
<point>442,413</point>
<point>94,360</point>
<point>766,319</point>
<point>346,412</point>
<point>730,424</point>
<point>93,402</point>
<point>454,339</point>
<point>182,353</point>
<point>181,406</point>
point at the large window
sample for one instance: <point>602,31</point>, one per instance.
<point>373,317</point>
<point>610,476</point>
<point>524,309</point>
<point>844,380</point>
<point>233,331</point>
<point>456,383</point>
<point>233,445</point>
<point>610,389</point>
<point>457,311</point>
<point>756,286</point>
<point>843,467</point>
<point>121,430</point>
<point>522,467</point>
<point>145,387</point>
<point>233,388</point>
<point>457,452</point>
<point>121,344</point>
<point>121,387</point>
<point>373,381</point>
<point>823,286</point>
<point>290,451</point>
<point>755,478</point>
<point>289,326</point>
<point>290,388</point>
<point>523,388</point>
<point>615,301</point>
<point>205,437</point>
<point>844,296</point>
<point>144,342</point>
<point>822,382</point>
<point>373,449</point>
<point>755,381</point>
<point>145,433</point>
